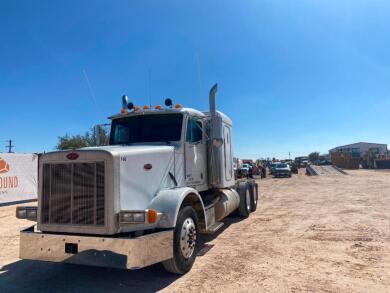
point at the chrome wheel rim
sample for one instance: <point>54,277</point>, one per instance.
<point>248,200</point>
<point>188,238</point>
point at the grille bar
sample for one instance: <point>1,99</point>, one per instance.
<point>73,194</point>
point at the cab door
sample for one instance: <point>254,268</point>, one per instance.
<point>195,153</point>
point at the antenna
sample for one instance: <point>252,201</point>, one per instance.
<point>199,76</point>
<point>9,145</point>
<point>150,87</point>
<point>91,91</point>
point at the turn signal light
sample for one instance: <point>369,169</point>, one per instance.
<point>152,216</point>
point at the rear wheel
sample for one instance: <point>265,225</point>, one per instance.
<point>254,195</point>
<point>184,242</point>
<point>244,208</point>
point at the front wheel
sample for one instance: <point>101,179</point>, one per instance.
<point>184,242</point>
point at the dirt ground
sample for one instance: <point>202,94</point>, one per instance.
<point>310,234</point>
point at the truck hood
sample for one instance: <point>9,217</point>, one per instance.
<point>130,149</point>
<point>141,172</point>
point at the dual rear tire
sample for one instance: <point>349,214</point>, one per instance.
<point>248,198</point>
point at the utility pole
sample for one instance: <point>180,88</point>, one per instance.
<point>9,146</point>
<point>289,155</point>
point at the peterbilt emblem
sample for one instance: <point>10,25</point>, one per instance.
<point>72,156</point>
<point>148,167</point>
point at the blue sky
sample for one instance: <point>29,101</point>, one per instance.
<point>295,76</point>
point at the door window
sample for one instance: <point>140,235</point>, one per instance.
<point>194,131</point>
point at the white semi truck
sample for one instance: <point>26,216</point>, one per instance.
<point>166,177</point>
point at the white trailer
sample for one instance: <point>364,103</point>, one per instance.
<point>166,177</point>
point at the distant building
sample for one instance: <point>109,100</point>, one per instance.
<point>359,149</point>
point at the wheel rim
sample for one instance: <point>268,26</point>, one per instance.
<point>188,238</point>
<point>254,198</point>
<point>248,200</point>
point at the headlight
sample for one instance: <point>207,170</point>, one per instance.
<point>21,213</point>
<point>31,214</point>
<point>131,217</point>
<point>27,213</point>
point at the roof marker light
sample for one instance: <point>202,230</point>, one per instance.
<point>178,106</point>
<point>168,102</point>
<point>146,107</point>
<point>158,107</point>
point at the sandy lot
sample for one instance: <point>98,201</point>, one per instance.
<point>310,234</point>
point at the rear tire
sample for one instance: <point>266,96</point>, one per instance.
<point>185,242</point>
<point>244,208</point>
<point>254,195</point>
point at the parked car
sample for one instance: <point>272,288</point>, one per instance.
<point>272,167</point>
<point>304,164</point>
<point>282,170</point>
<point>246,170</point>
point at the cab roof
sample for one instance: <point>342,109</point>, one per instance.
<point>190,111</point>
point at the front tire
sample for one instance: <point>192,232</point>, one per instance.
<point>184,242</point>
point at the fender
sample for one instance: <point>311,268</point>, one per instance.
<point>169,202</point>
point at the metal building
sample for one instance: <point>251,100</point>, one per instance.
<point>359,149</point>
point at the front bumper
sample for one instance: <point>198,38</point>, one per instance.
<point>115,252</point>
<point>282,174</point>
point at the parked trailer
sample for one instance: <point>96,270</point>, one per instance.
<point>166,177</point>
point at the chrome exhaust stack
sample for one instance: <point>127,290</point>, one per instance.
<point>216,141</point>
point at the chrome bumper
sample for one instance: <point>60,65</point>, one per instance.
<point>115,252</point>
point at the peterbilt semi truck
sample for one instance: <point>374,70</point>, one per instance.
<point>165,178</point>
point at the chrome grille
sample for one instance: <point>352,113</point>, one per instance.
<point>73,194</point>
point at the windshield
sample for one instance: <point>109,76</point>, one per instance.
<point>146,128</point>
<point>281,166</point>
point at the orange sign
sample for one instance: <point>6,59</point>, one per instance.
<point>4,166</point>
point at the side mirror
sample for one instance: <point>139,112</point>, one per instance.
<point>217,142</point>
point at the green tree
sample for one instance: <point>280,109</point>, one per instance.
<point>314,156</point>
<point>90,138</point>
